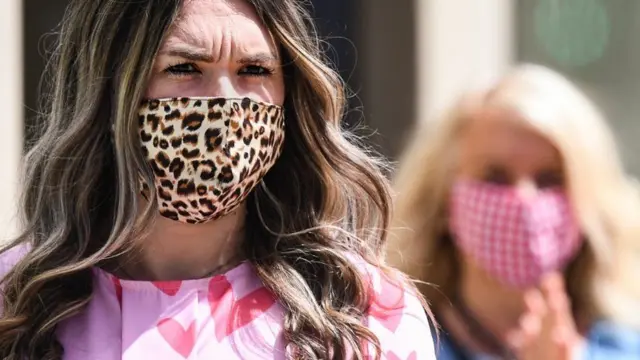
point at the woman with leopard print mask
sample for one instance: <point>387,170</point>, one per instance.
<point>193,196</point>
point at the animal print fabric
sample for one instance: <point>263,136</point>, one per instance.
<point>208,154</point>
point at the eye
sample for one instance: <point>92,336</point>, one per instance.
<point>549,178</point>
<point>184,69</point>
<point>495,175</point>
<point>255,70</point>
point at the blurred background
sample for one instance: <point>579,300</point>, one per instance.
<point>404,61</point>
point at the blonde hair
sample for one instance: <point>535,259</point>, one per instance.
<point>600,279</point>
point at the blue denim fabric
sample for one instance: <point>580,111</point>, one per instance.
<point>605,341</point>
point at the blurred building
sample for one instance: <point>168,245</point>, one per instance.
<point>404,60</point>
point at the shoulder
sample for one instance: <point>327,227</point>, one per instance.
<point>611,340</point>
<point>396,316</point>
<point>10,257</point>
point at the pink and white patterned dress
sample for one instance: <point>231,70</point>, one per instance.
<point>229,316</point>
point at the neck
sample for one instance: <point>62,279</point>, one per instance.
<point>177,251</point>
<point>496,307</point>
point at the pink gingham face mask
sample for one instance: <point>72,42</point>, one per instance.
<point>516,240</point>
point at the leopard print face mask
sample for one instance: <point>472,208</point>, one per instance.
<point>208,154</point>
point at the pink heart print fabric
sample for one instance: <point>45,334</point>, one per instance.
<point>229,316</point>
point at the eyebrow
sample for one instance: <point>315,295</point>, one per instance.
<point>259,58</point>
<point>205,56</point>
<point>189,54</point>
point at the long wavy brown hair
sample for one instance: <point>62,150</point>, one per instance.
<point>324,199</point>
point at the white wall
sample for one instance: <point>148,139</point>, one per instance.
<point>460,43</point>
<point>12,110</point>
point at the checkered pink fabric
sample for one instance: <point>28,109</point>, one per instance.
<point>514,239</point>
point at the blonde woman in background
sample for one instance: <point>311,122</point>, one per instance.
<point>517,215</point>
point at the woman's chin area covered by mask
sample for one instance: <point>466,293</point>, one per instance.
<point>516,213</point>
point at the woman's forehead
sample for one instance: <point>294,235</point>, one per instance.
<point>216,7</point>
<point>497,135</point>
<point>220,26</point>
